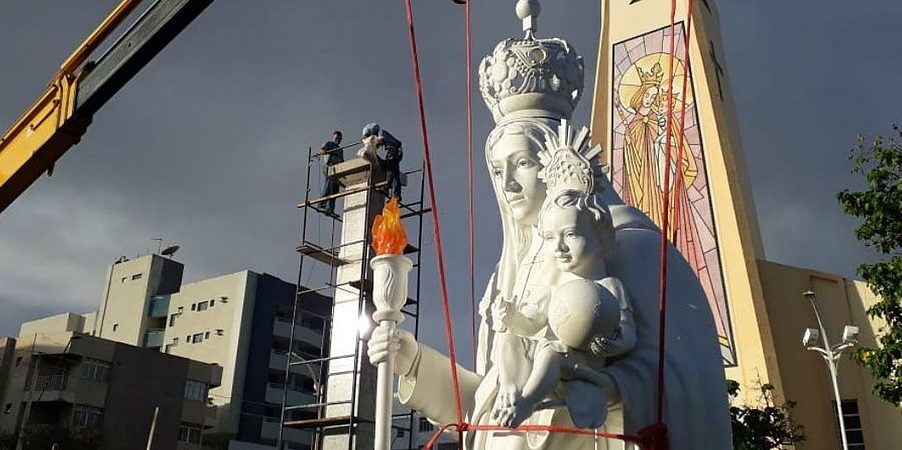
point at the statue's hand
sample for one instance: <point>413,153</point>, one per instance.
<point>502,311</point>
<point>386,342</point>
<point>508,394</point>
<point>511,409</point>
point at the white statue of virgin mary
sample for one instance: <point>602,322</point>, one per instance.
<point>531,85</point>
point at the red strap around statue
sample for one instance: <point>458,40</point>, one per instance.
<point>654,437</point>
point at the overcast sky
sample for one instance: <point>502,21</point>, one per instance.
<point>205,147</point>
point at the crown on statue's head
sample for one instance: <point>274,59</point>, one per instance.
<point>569,164</point>
<point>528,76</point>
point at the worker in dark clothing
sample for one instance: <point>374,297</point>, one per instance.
<point>391,164</point>
<point>334,154</point>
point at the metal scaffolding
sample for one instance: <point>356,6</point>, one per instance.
<point>356,176</point>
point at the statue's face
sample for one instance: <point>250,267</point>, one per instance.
<point>574,243</point>
<point>515,173</point>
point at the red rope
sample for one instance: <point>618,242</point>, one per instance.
<point>666,200</point>
<point>471,220</point>
<point>465,427</point>
<point>436,226</point>
<point>678,184</point>
<point>665,217</point>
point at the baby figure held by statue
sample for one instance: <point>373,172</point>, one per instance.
<point>586,319</point>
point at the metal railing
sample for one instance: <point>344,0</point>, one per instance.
<point>51,382</point>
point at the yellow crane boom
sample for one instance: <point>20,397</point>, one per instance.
<point>58,119</point>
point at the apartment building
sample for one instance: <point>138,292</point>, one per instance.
<point>240,321</point>
<point>56,379</point>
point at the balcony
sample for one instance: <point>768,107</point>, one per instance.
<point>274,392</point>
<point>51,382</point>
<point>50,388</point>
<point>281,327</point>
<point>159,306</point>
<point>154,337</point>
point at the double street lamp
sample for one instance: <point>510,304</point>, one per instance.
<point>831,355</point>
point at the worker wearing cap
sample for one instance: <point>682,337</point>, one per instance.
<point>334,155</point>
<point>391,164</point>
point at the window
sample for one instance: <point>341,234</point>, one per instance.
<point>137,276</point>
<point>115,326</point>
<point>175,341</point>
<point>207,335</point>
<point>195,390</point>
<point>211,302</point>
<point>202,306</point>
<point>181,309</point>
<point>87,416</point>
<point>197,338</point>
<point>172,320</point>
<point>194,307</point>
<point>220,332</point>
<point>426,425</point>
<point>8,409</point>
<point>852,421</point>
<point>189,432</point>
<point>96,370</point>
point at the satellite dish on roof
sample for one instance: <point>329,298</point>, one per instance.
<point>169,251</point>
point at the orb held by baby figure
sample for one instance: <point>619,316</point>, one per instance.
<point>584,319</point>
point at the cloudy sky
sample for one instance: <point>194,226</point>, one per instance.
<point>205,147</point>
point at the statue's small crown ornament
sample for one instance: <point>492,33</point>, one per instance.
<point>568,161</point>
<point>652,77</point>
<point>529,76</point>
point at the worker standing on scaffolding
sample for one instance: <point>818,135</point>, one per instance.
<point>374,134</point>
<point>334,154</point>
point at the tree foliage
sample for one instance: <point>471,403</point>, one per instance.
<point>879,207</point>
<point>765,427</point>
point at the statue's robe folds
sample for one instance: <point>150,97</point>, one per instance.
<point>695,407</point>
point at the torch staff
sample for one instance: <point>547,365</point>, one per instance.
<point>390,271</point>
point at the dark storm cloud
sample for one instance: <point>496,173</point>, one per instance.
<point>205,147</point>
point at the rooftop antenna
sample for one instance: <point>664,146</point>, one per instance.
<point>159,243</point>
<point>169,251</point>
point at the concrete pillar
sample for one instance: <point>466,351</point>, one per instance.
<point>341,386</point>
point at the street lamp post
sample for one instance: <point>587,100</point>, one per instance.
<point>831,355</point>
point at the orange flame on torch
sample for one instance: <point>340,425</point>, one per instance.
<point>389,237</point>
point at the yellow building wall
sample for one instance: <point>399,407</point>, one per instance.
<point>732,209</point>
<point>806,379</point>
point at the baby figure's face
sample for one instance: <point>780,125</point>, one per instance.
<point>575,243</point>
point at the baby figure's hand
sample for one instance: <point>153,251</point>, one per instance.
<point>511,409</point>
<point>502,311</point>
<point>505,402</point>
<point>507,395</point>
